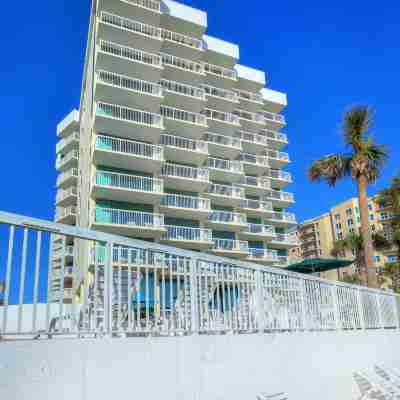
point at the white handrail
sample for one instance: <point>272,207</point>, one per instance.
<point>183,233</point>
<point>183,115</point>
<point>184,143</point>
<point>183,171</point>
<point>183,89</point>
<point>189,202</point>
<point>182,63</point>
<point>227,165</point>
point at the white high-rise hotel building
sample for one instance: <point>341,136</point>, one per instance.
<point>175,141</point>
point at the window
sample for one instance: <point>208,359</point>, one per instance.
<point>350,222</point>
<point>351,230</point>
<point>337,217</point>
<point>349,212</point>
<point>377,259</point>
<point>371,217</point>
<point>370,207</point>
<point>392,258</point>
<point>357,210</point>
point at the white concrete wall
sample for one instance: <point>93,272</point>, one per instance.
<point>302,365</point>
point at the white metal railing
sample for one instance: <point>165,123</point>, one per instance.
<point>188,202</point>
<point>141,288</point>
<point>185,234</point>
<point>64,159</point>
<point>130,147</point>
<point>152,5</point>
<point>72,173</point>
<point>222,93</point>
<point>130,25</point>
<point>63,194</point>
<point>273,135</point>
<point>222,140</point>
<point>279,175</point>
<point>231,245</point>
<point>250,96</point>
<point>256,205</point>
<point>261,183</point>
<point>130,53</point>
<point>274,117</point>
<point>185,172</point>
<point>184,143</point>
<point>129,115</point>
<point>226,191</point>
<point>220,71</point>
<point>271,194</point>
<point>249,158</point>
<point>62,212</point>
<point>182,115</point>
<point>182,39</point>
<point>222,116</point>
<point>114,216</point>
<point>125,82</point>
<point>261,229</point>
<point>250,116</point>
<point>283,216</point>
<point>226,165</point>
<point>182,63</point>
<point>278,155</point>
<point>227,217</point>
<point>129,182</point>
<point>183,89</point>
<point>252,138</point>
<point>66,141</point>
<point>286,239</point>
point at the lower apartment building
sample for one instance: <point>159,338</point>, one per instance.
<point>178,143</point>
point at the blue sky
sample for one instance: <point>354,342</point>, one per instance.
<point>325,58</point>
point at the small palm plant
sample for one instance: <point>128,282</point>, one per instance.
<point>363,163</point>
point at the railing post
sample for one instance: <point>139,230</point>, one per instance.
<point>108,289</point>
<point>378,306</point>
<point>260,302</point>
<point>194,298</point>
<point>304,305</point>
<point>360,308</point>
<point>338,322</point>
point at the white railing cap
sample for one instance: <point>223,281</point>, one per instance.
<point>221,46</point>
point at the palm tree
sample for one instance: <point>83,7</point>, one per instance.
<point>363,163</point>
<point>354,279</point>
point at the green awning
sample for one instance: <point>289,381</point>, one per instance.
<point>312,265</point>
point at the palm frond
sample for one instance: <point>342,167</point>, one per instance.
<point>356,124</point>
<point>330,169</point>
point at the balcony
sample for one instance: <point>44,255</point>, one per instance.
<point>229,195</point>
<point>223,146</point>
<point>182,70</point>
<point>258,232</point>
<point>255,186</point>
<point>128,223</point>
<point>183,45</point>
<point>284,241</point>
<point>250,120</point>
<point>188,123</point>
<point>227,221</point>
<point>276,140</point>
<point>128,122</point>
<point>231,248</point>
<point>67,161</point>
<point>224,170</point>
<point>128,154</point>
<point>125,31</point>
<point>274,121</point>
<point>115,88</point>
<point>279,198</point>
<point>128,61</point>
<point>69,143</point>
<point>283,219</point>
<point>181,95</point>
<point>220,99</point>
<point>256,207</point>
<point>190,207</point>
<point>145,10</point>
<point>218,76</point>
<point>186,178</point>
<point>185,150</point>
<point>192,238</point>
<point>67,197</point>
<point>280,178</point>
<point>66,215</point>
<point>252,142</point>
<point>277,159</point>
<point>263,256</point>
<point>68,178</point>
<point>127,188</point>
<point>250,101</point>
<point>221,121</point>
<point>254,164</point>
<point>68,125</point>
<point>57,254</point>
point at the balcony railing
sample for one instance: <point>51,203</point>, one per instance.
<point>226,117</point>
<point>250,96</point>
<point>250,116</point>
<point>220,71</point>
<point>274,117</point>
<point>261,229</point>
<point>129,182</point>
<point>125,146</point>
<point>62,212</point>
<point>185,172</point>
<point>227,217</point>
<point>113,216</point>
<point>181,39</point>
<point>261,183</point>
<point>185,234</point>
<point>280,175</point>
<point>63,159</point>
<point>271,194</point>
<point>252,138</point>
<point>278,155</point>
<point>184,116</point>
<point>129,115</point>
<point>235,167</point>
<point>263,255</point>
<point>130,25</point>
<point>182,89</point>
<point>152,5</point>
<point>184,143</point>
<point>182,63</point>
<point>231,245</point>
<point>254,159</point>
<point>124,82</point>
<point>130,53</point>
<point>73,172</point>
<point>227,141</point>
<point>188,202</point>
<point>226,190</point>
<point>63,194</point>
<point>222,93</point>
<point>66,141</point>
<point>256,205</point>
<point>284,217</point>
<point>272,135</point>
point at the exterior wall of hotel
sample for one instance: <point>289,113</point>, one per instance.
<point>164,105</point>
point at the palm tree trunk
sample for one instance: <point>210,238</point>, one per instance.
<point>369,271</point>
